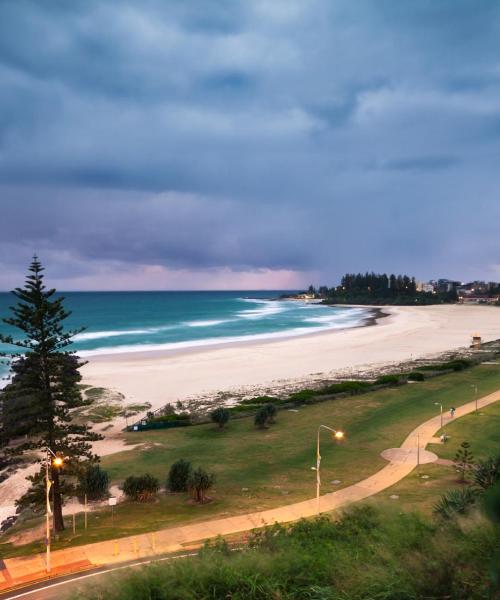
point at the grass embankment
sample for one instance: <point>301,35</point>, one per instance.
<point>366,554</point>
<point>261,469</point>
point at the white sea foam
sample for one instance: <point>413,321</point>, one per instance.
<point>334,318</point>
<point>268,308</point>
<point>207,323</point>
<point>97,335</point>
<point>215,341</point>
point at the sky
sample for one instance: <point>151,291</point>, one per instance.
<point>226,144</point>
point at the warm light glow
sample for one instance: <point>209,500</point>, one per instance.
<point>339,435</point>
<point>57,462</point>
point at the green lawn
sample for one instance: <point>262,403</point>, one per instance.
<point>261,469</point>
<point>423,487</point>
<point>481,430</point>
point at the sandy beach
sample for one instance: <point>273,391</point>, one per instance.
<point>407,333</point>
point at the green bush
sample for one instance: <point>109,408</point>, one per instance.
<point>271,412</point>
<point>259,400</point>
<point>261,418</point>
<point>181,417</point>
<point>94,482</point>
<point>365,553</point>
<point>388,380</point>
<point>486,473</point>
<point>416,376</point>
<point>303,395</point>
<point>177,480</point>
<point>141,488</point>
<point>455,501</point>
<point>220,416</point>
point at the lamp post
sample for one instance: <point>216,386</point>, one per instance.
<point>475,393</point>
<point>441,409</point>
<point>57,461</point>
<point>337,435</point>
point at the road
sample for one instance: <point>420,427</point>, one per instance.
<point>62,587</point>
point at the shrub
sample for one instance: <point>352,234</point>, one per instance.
<point>94,482</point>
<point>458,364</point>
<point>199,482</point>
<point>384,556</point>
<point>177,480</point>
<point>486,473</point>
<point>261,418</point>
<point>303,395</point>
<point>141,488</point>
<point>259,400</point>
<point>271,412</point>
<point>348,387</point>
<point>220,416</point>
<point>416,376</point>
<point>455,501</point>
<point>181,417</point>
<point>388,380</point>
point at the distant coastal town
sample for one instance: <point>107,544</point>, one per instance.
<point>376,288</point>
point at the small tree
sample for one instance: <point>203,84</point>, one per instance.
<point>141,488</point>
<point>199,482</point>
<point>261,418</point>
<point>463,460</point>
<point>177,480</point>
<point>265,416</point>
<point>271,413</point>
<point>94,482</point>
<point>220,416</point>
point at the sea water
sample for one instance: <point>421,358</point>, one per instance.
<point>121,322</point>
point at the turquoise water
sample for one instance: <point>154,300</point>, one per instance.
<point>118,322</point>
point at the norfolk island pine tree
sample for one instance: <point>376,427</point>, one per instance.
<point>44,389</point>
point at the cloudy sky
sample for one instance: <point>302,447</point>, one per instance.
<point>222,144</point>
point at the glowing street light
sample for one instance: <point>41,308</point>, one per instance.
<point>336,435</point>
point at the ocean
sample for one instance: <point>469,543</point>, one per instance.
<point>120,322</point>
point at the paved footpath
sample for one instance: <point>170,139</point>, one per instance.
<point>16,571</point>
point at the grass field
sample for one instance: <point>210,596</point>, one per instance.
<point>260,469</point>
<point>424,485</point>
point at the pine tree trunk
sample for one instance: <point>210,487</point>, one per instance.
<point>57,508</point>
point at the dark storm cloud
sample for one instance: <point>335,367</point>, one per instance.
<point>312,136</point>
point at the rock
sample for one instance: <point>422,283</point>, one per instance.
<point>393,497</point>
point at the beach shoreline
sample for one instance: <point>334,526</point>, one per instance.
<point>376,314</point>
<point>254,367</point>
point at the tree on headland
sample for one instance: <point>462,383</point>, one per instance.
<point>37,404</point>
<point>220,416</point>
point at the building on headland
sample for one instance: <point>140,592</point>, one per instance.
<point>447,285</point>
<point>495,299</point>
<point>474,292</point>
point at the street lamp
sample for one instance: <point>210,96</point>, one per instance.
<point>441,409</point>
<point>56,461</point>
<point>475,393</point>
<point>336,435</point>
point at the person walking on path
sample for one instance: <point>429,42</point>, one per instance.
<point>452,412</point>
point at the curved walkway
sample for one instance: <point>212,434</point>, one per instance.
<point>21,570</point>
